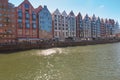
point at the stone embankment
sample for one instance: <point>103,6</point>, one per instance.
<point>20,46</point>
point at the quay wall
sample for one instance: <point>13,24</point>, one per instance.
<point>21,46</point>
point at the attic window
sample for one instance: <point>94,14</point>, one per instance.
<point>26,6</point>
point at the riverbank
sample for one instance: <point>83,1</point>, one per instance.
<point>21,46</point>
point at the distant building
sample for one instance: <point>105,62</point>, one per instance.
<point>64,25</point>
<point>93,27</point>
<point>116,28</point>
<point>107,28</point>
<point>45,23</point>
<point>98,23</point>
<point>71,25</point>
<point>111,28</point>
<point>7,22</point>
<point>26,21</point>
<point>79,26</point>
<point>57,30</point>
<point>102,29</point>
<point>87,27</point>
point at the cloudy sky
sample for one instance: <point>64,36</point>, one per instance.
<point>101,8</point>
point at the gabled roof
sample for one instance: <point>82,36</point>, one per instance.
<point>57,12</point>
<point>64,13</point>
<point>86,16</point>
<point>79,15</point>
<point>93,17</point>
<point>98,19</point>
<point>37,10</point>
<point>26,1</point>
<point>102,20</point>
<point>71,14</point>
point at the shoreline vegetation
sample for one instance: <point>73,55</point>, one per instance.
<point>27,45</point>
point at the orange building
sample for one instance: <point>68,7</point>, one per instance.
<point>7,22</point>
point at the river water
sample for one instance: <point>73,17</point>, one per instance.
<point>93,62</point>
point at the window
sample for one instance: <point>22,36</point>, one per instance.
<point>33,16</point>
<point>55,28</point>
<point>27,14</point>
<point>20,13</point>
<point>19,25</point>
<point>26,6</point>
<point>27,21</point>
<point>19,20</point>
<point>27,25</point>
<point>19,32</point>
<point>0,25</point>
<point>34,26</point>
<point>59,28</point>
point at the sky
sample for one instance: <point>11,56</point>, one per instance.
<point>102,8</point>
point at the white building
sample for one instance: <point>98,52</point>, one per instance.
<point>64,24</point>
<point>57,27</point>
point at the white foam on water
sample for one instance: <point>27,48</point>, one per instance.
<point>48,52</point>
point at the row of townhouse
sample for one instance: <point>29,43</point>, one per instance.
<point>64,25</point>
<point>25,22</point>
<point>77,27</point>
<point>33,24</point>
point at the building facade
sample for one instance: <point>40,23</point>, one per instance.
<point>56,20</point>
<point>87,27</point>
<point>107,28</point>
<point>93,27</point>
<point>45,23</point>
<point>64,24</point>
<point>98,24</point>
<point>102,29</point>
<point>7,22</point>
<point>26,21</point>
<point>71,25</point>
<point>79,26</point>
<point>112,27</point>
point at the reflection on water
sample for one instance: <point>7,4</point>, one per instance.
<point>50,51</point>
<point>96,62</point>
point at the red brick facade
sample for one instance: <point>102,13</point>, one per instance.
<point>26,21</point>
<point>7,22</point>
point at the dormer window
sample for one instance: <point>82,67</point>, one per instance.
<point>26,6</point>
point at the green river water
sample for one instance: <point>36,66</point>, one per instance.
<point>93,62</point>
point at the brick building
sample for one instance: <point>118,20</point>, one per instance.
<point>26,21</point>
<point>7,22</point>
<point>79,26</point>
